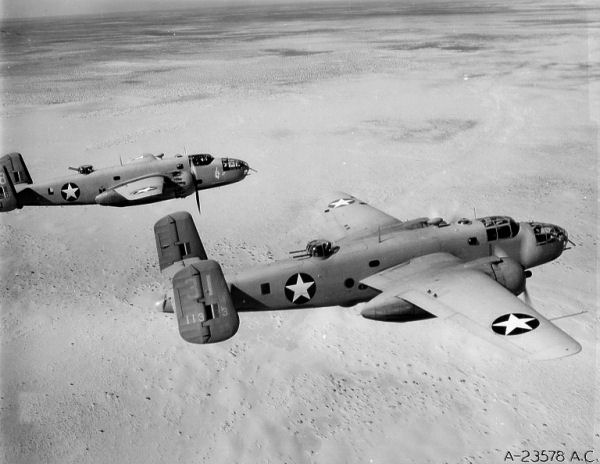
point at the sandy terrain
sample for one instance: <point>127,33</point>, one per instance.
<point>428,110</point>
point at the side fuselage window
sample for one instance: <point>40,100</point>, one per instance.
<point>265,288</point>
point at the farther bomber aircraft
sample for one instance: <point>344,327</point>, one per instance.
<point>467,272</point>
<point>145,179</point>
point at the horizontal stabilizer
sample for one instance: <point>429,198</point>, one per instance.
<point>177,239</point>
<point>203,305</point>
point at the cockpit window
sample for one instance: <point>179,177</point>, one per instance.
<point>514,227</point>
<point>504,231</point>
<point>500,227</point>
<point>201,160</point>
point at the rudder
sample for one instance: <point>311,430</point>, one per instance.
<point>177,239</point>
<point>8,195</point>
<point>203,304</point>
<point>17,169</point>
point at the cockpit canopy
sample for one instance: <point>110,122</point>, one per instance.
<point>202,159</point>
<point>500,227</point>
<point>320,248</point>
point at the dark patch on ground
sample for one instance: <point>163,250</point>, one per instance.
<point>448,46</point>
<point>292,52</point>
<point>432,130</point>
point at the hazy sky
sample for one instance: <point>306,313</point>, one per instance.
<point>32,8</point>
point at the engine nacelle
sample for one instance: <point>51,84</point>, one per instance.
<point>185,180</point>
<point>391,309</point>
<point>506,271</point>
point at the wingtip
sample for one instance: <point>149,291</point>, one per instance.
<point>558,351</point>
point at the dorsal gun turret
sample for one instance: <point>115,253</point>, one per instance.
<point>83,169</point>
<point>318,248</point>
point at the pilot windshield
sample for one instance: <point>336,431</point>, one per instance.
<point>201,160</point>
<point>500,227</point>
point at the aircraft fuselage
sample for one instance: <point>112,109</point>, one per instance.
<point>133,183</point>
<point>335,280</point>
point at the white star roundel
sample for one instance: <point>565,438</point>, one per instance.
<point>341,202</point>
<point>300,288</point>
<point>514,324</point>
<point>70,191</point>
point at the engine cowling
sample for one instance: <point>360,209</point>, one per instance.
<point>185,180</point>
<point>506,271</point>
<point>388,308</point>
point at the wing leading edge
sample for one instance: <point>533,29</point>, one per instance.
<point>444,286</point>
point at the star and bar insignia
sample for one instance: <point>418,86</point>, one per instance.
<point>300,288</point>
<point>514,324</point>
<point>341,202</point>
<point>70,191</point>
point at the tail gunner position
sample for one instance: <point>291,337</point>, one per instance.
<point>467,273</point>
<point>145,179</point>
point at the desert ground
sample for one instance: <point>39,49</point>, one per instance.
<point>427,109</point>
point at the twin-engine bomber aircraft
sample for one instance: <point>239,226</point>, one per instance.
<point>145,179</point>
<point>468,273</point>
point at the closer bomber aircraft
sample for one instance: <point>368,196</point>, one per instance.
<point>145,179</point>
<point>468,273</point>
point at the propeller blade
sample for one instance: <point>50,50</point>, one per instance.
<point>198,202</point>
<point>526,297</point>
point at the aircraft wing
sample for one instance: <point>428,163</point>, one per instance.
<point>448,288</point>
<point>346,216</point>
<point>141,188</point>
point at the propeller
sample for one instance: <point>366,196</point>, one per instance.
<point>526,297</point>
<point>198,202</point>
<point>451,212</point>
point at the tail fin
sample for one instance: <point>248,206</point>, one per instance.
<point>15,165</point>
<point>203,304</point>
<point>177,240</point>
<point>8,195</point>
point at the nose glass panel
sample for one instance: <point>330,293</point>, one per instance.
<point>548,233</point>
<point>232,163</point>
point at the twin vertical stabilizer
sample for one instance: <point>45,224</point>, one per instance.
<point>13,171</point>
